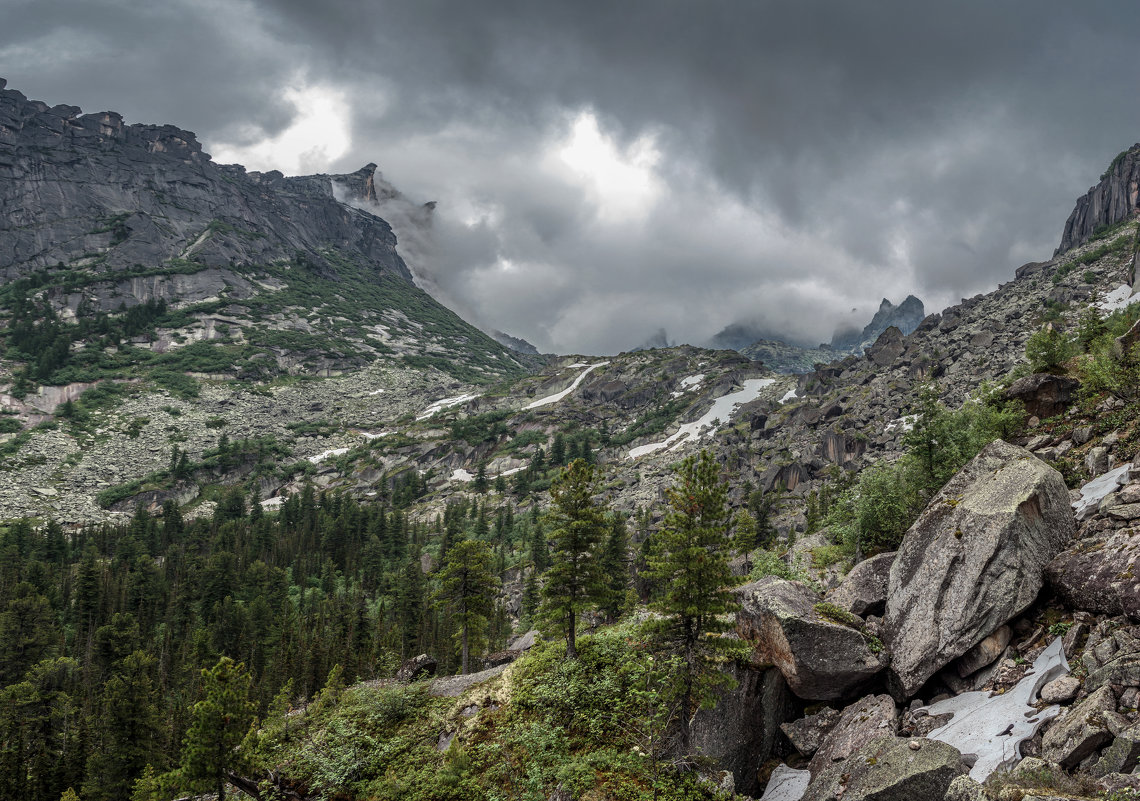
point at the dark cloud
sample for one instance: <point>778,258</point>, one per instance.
<point>811,157</point>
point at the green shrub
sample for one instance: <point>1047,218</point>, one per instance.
<point>179,384</point>
<point>1048,349</point>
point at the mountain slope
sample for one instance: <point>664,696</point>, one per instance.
<point>98,217</point>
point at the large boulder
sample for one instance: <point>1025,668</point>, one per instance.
<point>864,589</point>
<point>973,560</point>
<point>1083,729</point>
<point>1044,394</point>
<point>869,717</point>
<point>890,769</point>
<point>1099,574</point>
<point>821,659</point>
<point>740,733</point>
<point>808,733</point>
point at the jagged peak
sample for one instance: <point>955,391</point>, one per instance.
<point>1114,199</point>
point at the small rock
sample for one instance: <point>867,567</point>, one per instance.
<point>1060,691</point>
<point>1082,435</point>
<point>1082,730</point>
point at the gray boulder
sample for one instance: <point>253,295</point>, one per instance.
<point>741,731</point>
<point>868,718</point>
<point>973,560</point>
<point>1083,729</point>
<point>1120,757</point>
<point>1044,394</point>
<point>890,769</point>
<point>864,589</point>
<point>1098,574</point>
<point>820,659</point>
<point>807,733</point>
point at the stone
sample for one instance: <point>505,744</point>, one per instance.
<point>1113,660</point>
<point>820,659</point>
<point>1093,492</point>
<point>863,590</point>
<point>786,784</point>
<point>1096,460</point>
<point>887,769</point>
<point>1120,757</point>
<point>869,717</point>
<point>416,668</point>
<point>1082,435</point>
<point>524,642</point>
<point>887,348</point>
<point>963,788</point>
<point>1130,494</point>
<point>807,733</point>
<point>973,560</point>
<point>741,731</point>
<point>1082,730</point>
<point>1099,574</point>
<point>1044,394</point>
<point>1060,691</point>
<point>985,652</point>
<point>1124,511</point>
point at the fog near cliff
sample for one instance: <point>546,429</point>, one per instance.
<point>605,170</point>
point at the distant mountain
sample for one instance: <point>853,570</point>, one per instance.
<point>517,344</point>
<point>236,273</point>
<point>905,317</point>
<point>757,343</point>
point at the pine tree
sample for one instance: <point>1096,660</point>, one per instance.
<point>575,581</point>
<point>218,724</point>
<point>691,563</point>
<point>615,566</point>
<point>129,731</point>
<point>558,450</point>
<point>467,584</point>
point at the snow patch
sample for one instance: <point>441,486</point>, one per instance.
<point>722,410</point>
<point>512,471</point>
<point>1098,489</point>
<point>376,392</point>
<point>370,436</point>
<point>905,423</point>
<point>272,503</point>
<point>446,403</point>
<point>559,396</point>
<point>320,457</point>
<point>992,729</point>
<point>688,383</point>
<point>1117,299</point>
<point>461,475</point>
<point>789,395</point>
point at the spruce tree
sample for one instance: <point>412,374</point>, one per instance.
<point>575,581</point>
<point>467,584</point>
<point>218,723</point>
<point>690,563</point>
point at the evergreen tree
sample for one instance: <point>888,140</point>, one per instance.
<point>129,730</point>
<point>480,482</point>
<point>467,584</point>
<point>575,581</point>
<point>615,567</point>
<point>218,724</point>
<point>558,451</point>
<point>691,565</point>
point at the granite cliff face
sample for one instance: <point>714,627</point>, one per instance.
<point>1115,199</point>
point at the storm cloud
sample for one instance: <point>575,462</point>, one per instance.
<point>604,170</point>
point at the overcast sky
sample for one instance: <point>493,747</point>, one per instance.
<point>607,169</point>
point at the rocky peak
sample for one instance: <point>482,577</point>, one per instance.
<point>905,317</point>
<point>1113,200</point>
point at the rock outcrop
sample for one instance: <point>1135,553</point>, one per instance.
<point>973,560</point>
<point>820,659</point>
<point>1044,394</point>
<point>1111,201</point>
<point>864,589</point>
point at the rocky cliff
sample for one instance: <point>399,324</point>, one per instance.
<point>100,216</point>
<point>1110,202</point>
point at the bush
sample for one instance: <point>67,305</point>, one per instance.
<point>1048,349</point>
<point>179,384</point>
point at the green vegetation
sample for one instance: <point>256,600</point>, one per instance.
<point>875,512</point>
<point>690,563</point>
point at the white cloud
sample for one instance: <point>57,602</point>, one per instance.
<point>317,136</point>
